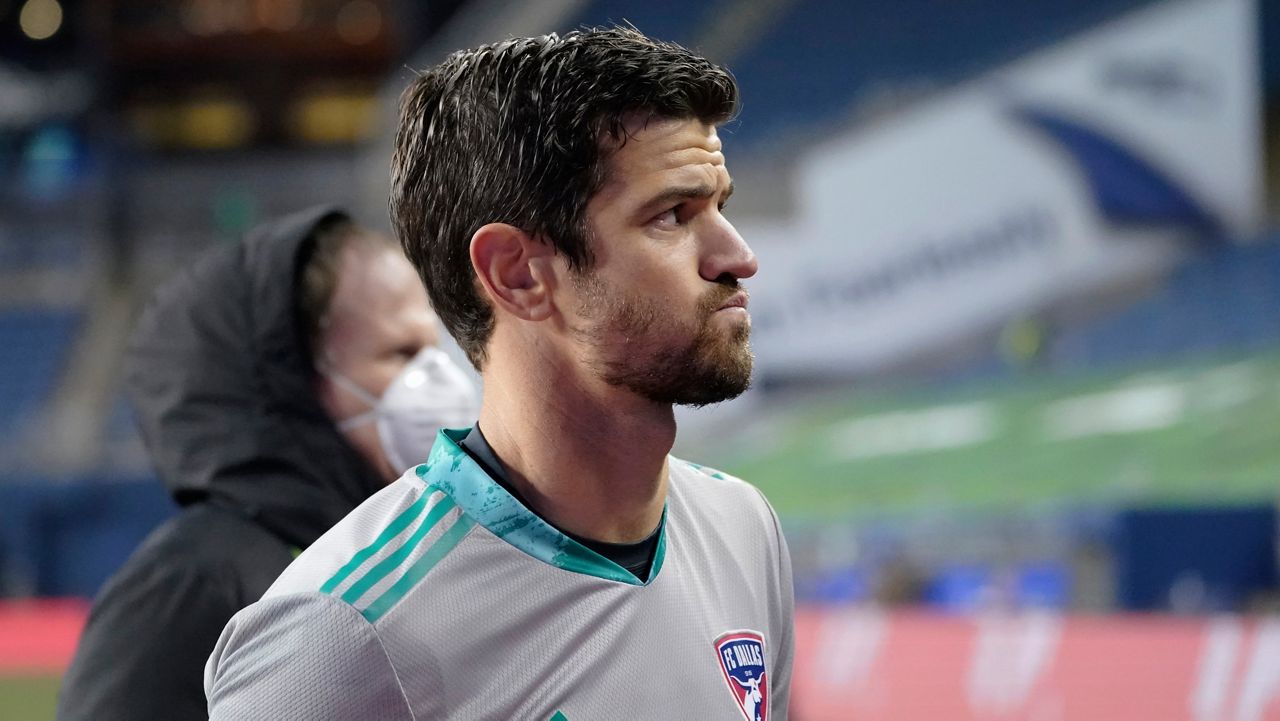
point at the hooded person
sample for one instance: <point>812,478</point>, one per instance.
<point>278,383</point>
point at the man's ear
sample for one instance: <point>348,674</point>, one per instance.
<point>516,270</point>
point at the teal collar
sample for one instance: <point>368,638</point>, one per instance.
<point>451,470</point>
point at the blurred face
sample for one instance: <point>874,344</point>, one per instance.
<point>378,320</point>
<point>661,313</point>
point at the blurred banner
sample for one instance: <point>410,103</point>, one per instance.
<point>878,666</point>
<point>39,636</point>
<point>1081,168</point>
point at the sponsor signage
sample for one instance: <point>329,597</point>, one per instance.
<point>1082,167</point>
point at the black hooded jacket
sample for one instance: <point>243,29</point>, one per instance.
<point>223,386</point>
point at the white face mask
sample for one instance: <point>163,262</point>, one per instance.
<point>431,392</point>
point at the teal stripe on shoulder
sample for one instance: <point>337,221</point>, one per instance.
<point>391,562</point>
<point>705,470</point>
<point>441,548</point>
<point>392,530</point>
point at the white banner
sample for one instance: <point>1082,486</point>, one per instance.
<point>1069,171</point>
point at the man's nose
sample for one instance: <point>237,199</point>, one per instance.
<point>725,252</point>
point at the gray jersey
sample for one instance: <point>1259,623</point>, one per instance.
<point>442,597</point>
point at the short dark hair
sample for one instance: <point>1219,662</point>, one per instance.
<point>512,132</point>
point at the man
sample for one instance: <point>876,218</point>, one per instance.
<point>242,430</point>
<point>561,198</point>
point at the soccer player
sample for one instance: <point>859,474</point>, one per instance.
<point>562,199</point>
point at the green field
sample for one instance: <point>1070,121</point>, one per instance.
<point>27,698</point>
<point>1205,433</point>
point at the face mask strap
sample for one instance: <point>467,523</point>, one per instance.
<point>359,420</point>
<point>353,388</point>
<point>349,385</point>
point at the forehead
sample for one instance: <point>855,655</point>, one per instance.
<point>659,151</point>
<point>371,279</point>
<point>377,288</point>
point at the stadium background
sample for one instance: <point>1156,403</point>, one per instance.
<point>1018,319</point>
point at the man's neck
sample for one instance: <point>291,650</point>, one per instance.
<point>589,458</point>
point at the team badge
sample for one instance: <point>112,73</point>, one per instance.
<point>741,655</point>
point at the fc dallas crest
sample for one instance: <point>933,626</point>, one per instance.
<point>741,655</point>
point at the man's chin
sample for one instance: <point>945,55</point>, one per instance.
<point>715,367</point>
<point>710,395</point>
<point>725,380</point>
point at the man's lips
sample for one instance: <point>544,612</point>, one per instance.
<point>737,300</point>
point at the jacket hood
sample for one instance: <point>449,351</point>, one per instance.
<point>224,389</point>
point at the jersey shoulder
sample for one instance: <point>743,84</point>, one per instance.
<point>710,495</point>
<point>375,555</point>
<point>706,484</point>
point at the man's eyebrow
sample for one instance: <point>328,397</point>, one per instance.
<point>687,192</point>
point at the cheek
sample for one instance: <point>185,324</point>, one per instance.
<point>656,318</point>
<point>332,399</point>
<point>641,293</point>
<point>364,438</point>
<point>341,403</point>
<point>375,376</point>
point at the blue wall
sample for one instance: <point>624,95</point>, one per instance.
<point>64,538</point>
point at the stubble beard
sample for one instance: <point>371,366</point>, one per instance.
<point>640,346</point>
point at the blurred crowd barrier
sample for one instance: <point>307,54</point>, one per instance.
<point>38,637</point>
<point>875,665</point>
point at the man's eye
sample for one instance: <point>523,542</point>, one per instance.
<point>670,218</point>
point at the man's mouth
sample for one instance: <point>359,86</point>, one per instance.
<point>737,300</point>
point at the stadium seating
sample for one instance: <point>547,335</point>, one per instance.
<point>66,538</point>
<point>846,52</point>
<point>46,250</point>
<point>33,347</point>
<point>63,251</point>
<point>1220,300</point>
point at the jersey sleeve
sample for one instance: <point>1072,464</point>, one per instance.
<point>302,656</point>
